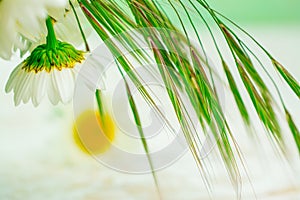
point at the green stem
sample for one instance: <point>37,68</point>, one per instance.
<point>80,27</point>
<point>100,106</point>
<point>51,38</point>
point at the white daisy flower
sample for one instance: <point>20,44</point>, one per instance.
<point>23,19</point>
<point>50,69</point>
<point>37,76</point>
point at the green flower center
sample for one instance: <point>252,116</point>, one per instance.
<point>52,55</point>
<point>43,58</point>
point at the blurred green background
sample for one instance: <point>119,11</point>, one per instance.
<point>259,11</point>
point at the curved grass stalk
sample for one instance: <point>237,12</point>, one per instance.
<point>188,75</point>
<point>294,85</point>
<point>263,104</point>
<point>140,129</point>
<point>293,128</point>
<point>182,68</point>
<point>87,48</point>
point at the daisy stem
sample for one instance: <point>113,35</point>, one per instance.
<point>51,38</point>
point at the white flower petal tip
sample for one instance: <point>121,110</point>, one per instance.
<point>57,85</point>
<point>51,73</point>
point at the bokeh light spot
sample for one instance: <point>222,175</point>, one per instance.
<point>92,134</point>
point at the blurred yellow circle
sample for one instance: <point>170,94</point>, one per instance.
<point>93,134</point>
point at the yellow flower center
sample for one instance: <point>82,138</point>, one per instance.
<point>91,135</point>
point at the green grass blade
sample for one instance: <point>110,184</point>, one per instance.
<point>140,129</point>
<point>236,94</point>
<point>291,81</point>
<point>294,129</point>
<point>100,105</point>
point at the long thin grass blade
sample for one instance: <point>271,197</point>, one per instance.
<point>184,69</point>
<point>295,131</point>
<point>291,81</point>
<point>261,108</point>
<point>141,132</point>
<point>100,106</point>
<point>238,99</point>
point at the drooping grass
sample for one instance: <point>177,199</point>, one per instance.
<point>184,68</point>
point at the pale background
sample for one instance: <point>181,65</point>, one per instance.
<point>39,159</point>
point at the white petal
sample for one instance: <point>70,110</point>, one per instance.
<point>12,78</point>
<point>65,84</point>
<point>27,90</point>
<point>52,90</point>
<point>18,80</point>
<point>64,28</point>
<point>19,88</point>
<point>56,3</point>
<point>26,18</point>
<point>39,88</point>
